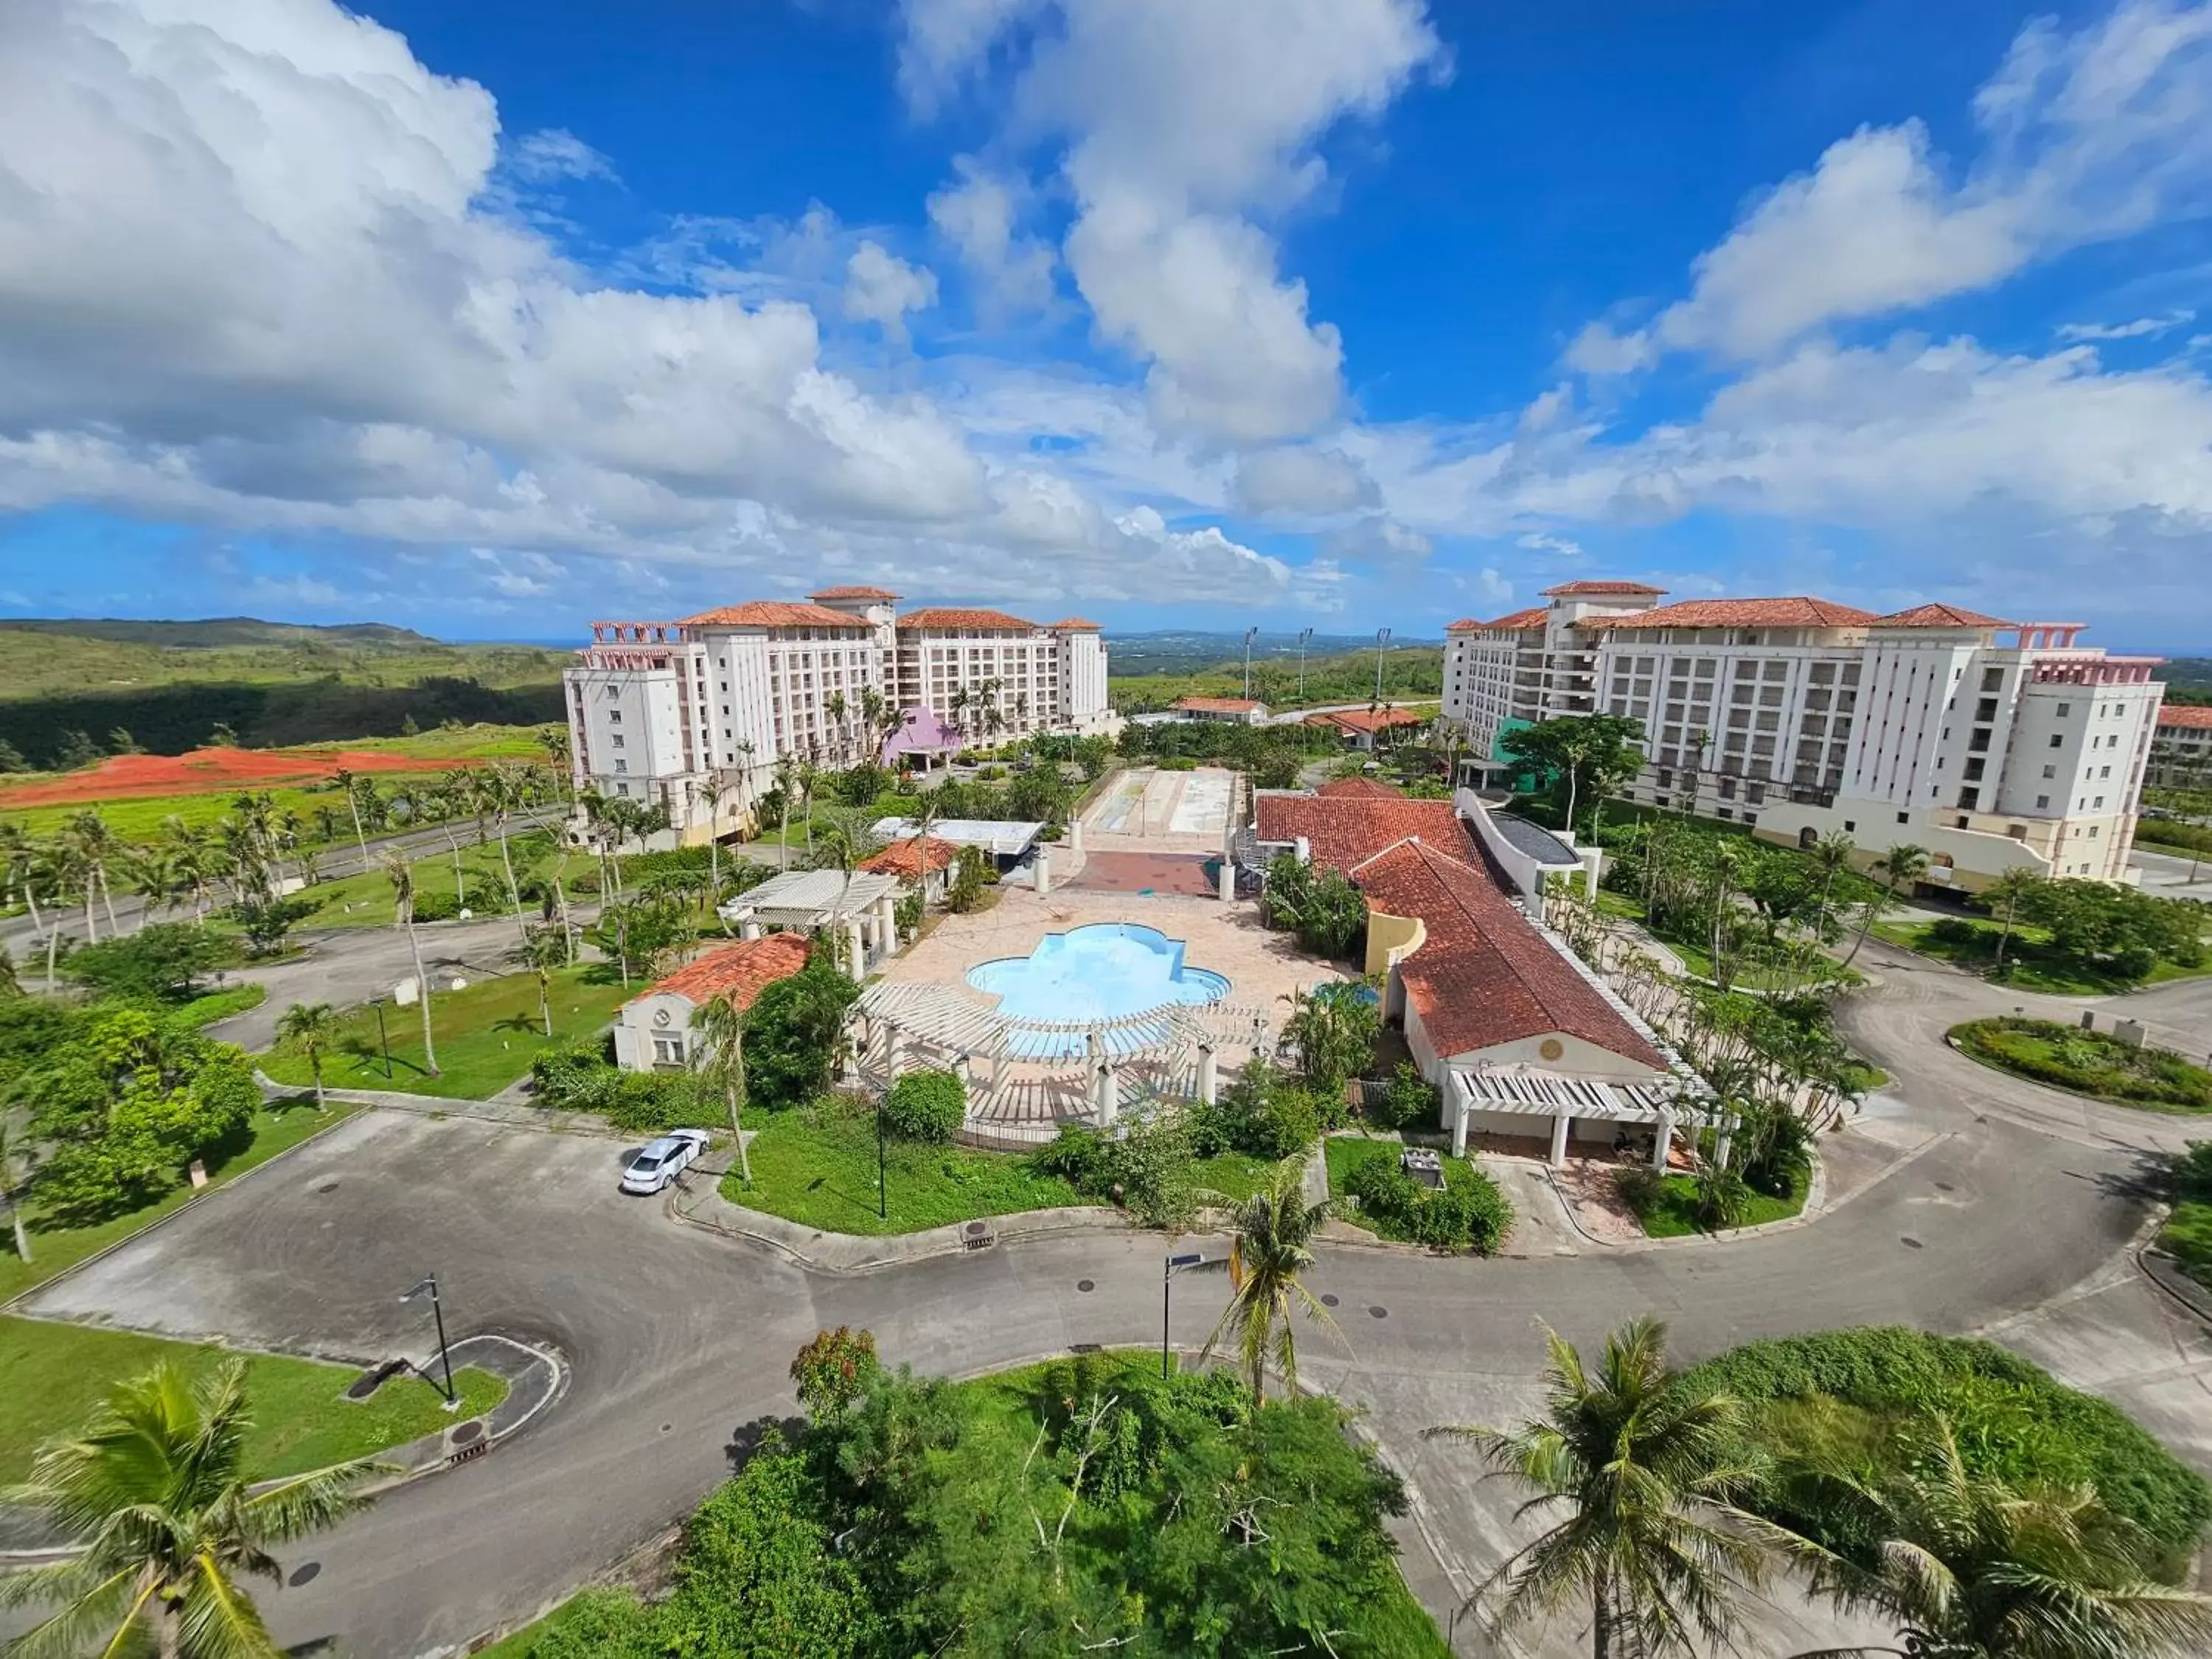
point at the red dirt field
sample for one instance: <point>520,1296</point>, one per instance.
<point>122,777</point>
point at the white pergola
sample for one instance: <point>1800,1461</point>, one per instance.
<point>898,1020</point>
<point>1523,1092</point>
<point>809,901</point>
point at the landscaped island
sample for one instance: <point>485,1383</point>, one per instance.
<point>2087,1062</point>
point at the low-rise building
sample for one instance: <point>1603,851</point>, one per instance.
<point>1993,745</point>
<point>2181,750</point>
<point>1366,729</point>
<point>652,1030</point>
<point>1241,711</point>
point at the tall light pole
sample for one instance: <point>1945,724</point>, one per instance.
<point>1305,637</point>
<point>1250,635</point>
<point>1382,640</point>
<point>1167,1280</point>
<point>430,1286</point>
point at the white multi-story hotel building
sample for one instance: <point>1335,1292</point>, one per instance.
<point>1990,744</point>
<point>667,712</point>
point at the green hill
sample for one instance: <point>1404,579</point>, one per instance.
<point>216,631</point>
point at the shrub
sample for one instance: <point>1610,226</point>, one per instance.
<point>2085,1061</point>
<point>582,1079</point>
<point>1144,1166</point>
<point>1286,1126</point>
<point>161,959</point>
<point>1470,1213</point>
<point>925,1106</point>
<point>1411,1100</point>
<point>794,1031</point>
<point>834,1370</point>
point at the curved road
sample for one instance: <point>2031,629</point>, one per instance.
<point>1976,1203</point>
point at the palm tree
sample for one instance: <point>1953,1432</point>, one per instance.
<point>348,781</point>
<point>2007,890</point>
<point>312,1028</point>
<point>19,858</point>
<point>711,791</point>
<point>1727,866</point>
<point>503,790</point>
<point>835,708</point>
<point>155,1494</point>
<point>1272,1246</point>
<point>1831,856</point>
<point>11,1185</point>
<point>541,951</point>
<point>720,1024</point>
<point>94,849</point>
<point>1900,867</point>
<point>1976,1568</point>
<point>787,784</point>
<point>401,875</point>
<point>558,746</point>
<point>1647,1471</point>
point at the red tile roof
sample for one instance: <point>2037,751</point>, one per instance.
<point>739,972</point>
<point>903,859</point>
<point>1368,720</point>
<point>1218,705</point>
<point>1483,975</point>
<point>1796,611</point>
<point>1359,789</point>
<point>1346,830</point>
<point>969,622</point>
<point>1513,620</point>
<point>853,594</point>
<point>774,613</point>
<point>2181,715</point>
<point>1073,625</point>
<point>1569,589</point>
<point>1939,616</point>
<point>1464,625</point>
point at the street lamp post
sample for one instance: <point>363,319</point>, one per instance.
<point>1250,635</point>
<point>429,1285</point>
<point>1167,1280</point>
<point>383,1039</point>
<point>1382,640</point>
<point>883,1187</point>
<point>1305,638</point>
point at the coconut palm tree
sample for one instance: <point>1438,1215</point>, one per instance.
<point>348,783</point>
<point>786,785</point>
<point>1901,867</point>
<point>542,951</point>
<point>711,792</point>
<point>11,1185</point>
<point>312,1028</point>
<point>2003,895</point>
<point>18,858</point>
<point>1831,856</point>
<point>720,1051</point>
<point>1647,1471</point>
<point>1272,1246</point>
<point>401,875</point>
<point>836,707</point>
<point>155,1495</point>
<point>1974,1568</point>
<point>558,746</point>
<point>93,850</point>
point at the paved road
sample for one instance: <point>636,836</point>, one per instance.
<point>1970,1202</point>
<point>2169,877</point>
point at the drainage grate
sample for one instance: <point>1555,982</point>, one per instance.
<point>1378,1312</point>
<point>1085,1285</point>
<point>467,1433</point>
<point>1909,1242</point>
<point>1330,1301</point>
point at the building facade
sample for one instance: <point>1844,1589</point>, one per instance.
<point>1990,744</point>
<point>693,715</point>
<point>2181,750</point>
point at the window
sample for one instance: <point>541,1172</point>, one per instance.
<point>622,766</point>
<point>2041,802</point>
<point>2057,739</point>
<point>622,789</point>
<point>1904,818</point>
<point>2050,771</point>
<point>1992,679</point>
<point>614,717</point>
<point>1970,799</point>
<point>1850,824</point>
<point>2104,771</point>
<point>2100,805</point>
<point>2064,709</point>
<point>617,740</point>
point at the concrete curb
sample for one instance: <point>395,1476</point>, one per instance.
<point>545,1119</point>
<point>1815,1206</point>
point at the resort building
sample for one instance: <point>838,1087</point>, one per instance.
<point>1368,729</point>
<point>1990,744</point>
<point>652,1030</point>
<point>1238,711</point>
<point>2181,749</point>
<point>692,716</point>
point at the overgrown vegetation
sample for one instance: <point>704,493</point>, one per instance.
<point>1082,1506</point>
<point>2088,1062</point>
<point>1272,755</point>
<point>1342,677</point>
<point>1467,1213</point>
<point>2066,935</point>
<point>2187,1235</point>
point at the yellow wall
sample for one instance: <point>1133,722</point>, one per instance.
<point>1389,936</point>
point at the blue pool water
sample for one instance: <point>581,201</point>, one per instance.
<point>1100,972</point>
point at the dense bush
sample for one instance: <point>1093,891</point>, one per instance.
<point>1411,1102</point>
<point>794,1033</point>
<point>582,1078</point>
<point>1470,1213</point>
<point>2087,1062</point>
<point>2013,1422</point>
<point>1261,1112</point>
<point>1144,1166</point>
<point>925,1106</point>
<point>161,959</point>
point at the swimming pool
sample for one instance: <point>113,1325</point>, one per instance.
<point>1098,972</point>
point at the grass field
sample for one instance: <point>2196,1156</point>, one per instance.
<point>275,1129</point>
<point>486,1036</point>
<point>2187,1237</point>
<point>1345,1153</point>
<point>53,1375</point>
<point>365,899</point>
<point>2028,962</point>
<point>1673,1212</point>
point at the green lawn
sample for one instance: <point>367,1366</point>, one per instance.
<point>212,1005</point>
<point>816,1165</point>
<point>365,899</point>
<point>2187,1237</point>
<point>1673,1212</point>
<point>2087,1062</point>
<point>52,1375</point>
<point>486,1036</point>
<point>1862,1077</point>
<point>2029,962</point>
<point>275,1129</point>
<point>1345,1153</point>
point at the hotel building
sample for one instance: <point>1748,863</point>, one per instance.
<point>2181,751</point>
<point>1990,744</point>
<point>662,711</point>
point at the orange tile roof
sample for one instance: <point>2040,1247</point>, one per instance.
<point>772,613</point>
<point>1795,612</point>
<point>1483,975</point>
<point>1939,616</point>
<point>1369,720</point>
<point>1464,625</point>
<point>739,972</point>
<point>853,594</point>
<point>1569,589</point>
<point>973,622</point>
<point>1343,831</point>
<point>1513,620</point>
<point>1218,705</point>
<point>1359,789</point>
<point>903,858</point>
<point>1074,624</point>
<point>2190,716</point>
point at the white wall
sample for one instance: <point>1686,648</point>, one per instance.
<point>637,1027</point>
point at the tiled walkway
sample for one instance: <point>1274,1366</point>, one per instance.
<point>1192,875</point>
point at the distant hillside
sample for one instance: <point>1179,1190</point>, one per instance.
<point>1415,672</point>
<point>216,631</point>
<point>2188,679</point>
<point>1180,651</point>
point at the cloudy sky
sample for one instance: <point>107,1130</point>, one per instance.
<point>490,318</point>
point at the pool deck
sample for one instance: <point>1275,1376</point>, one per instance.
<point>1150,811</point>
<point>1261,967</point>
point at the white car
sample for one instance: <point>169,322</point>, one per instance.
<point>661,1161</point>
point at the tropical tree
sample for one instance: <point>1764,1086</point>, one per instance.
<point>11,1185</point>
<point>542,951</point>
<point>1831,856</point>
<point>401,875</point>
<point>1975,1568</point>
<point>348,783</point>
<point>1333,1030</point>
<point>558,746</point>
<point>2003,896</point>
<point>720,1051</point>
<point>1901,867</point>
<point>155,1493</point>
<point>1650,1475</point>
<point>1271,1246</point>
<point>312,1028</point>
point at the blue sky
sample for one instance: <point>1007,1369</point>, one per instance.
<point>492,318</point>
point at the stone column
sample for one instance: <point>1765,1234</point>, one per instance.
<point>886,924</point>
<point>1075,836</point>
<point>1720,1146</point>
<point>894,1052</point>
<point>748,928</point>
<point>1209,1075</point>
<point>1665,1142</point>
<point>1228,879</point>
<point>1041,869</point>
<point>856,951</point>
<point>1110,1095</point>
<point>1456,1103</point>
<point>1593,861</point>
<point>1562,1122</point>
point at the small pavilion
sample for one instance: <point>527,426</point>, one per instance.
<point>811,901</point>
